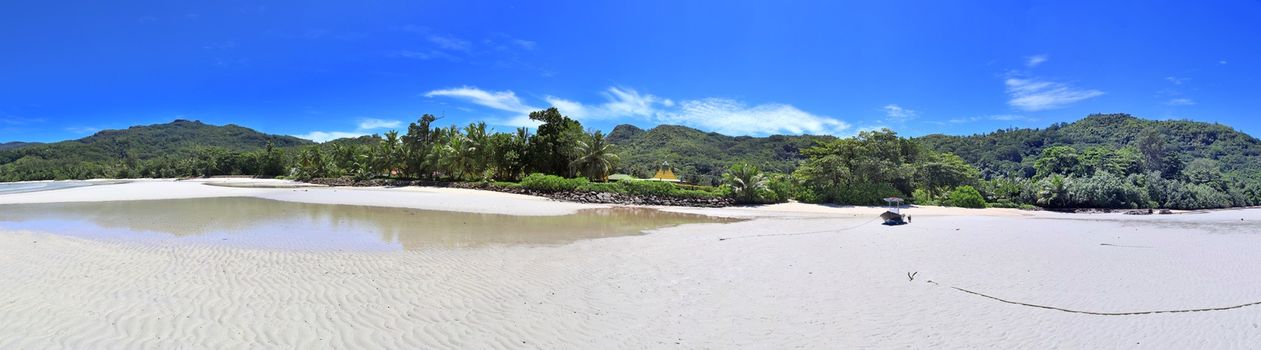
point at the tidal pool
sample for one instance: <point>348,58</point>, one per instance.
<point>255,222</point>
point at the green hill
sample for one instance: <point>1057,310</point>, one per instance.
<point>702,157</point>
<point>98,153</point>
<point>1012,152</point>
<point>15,144</point>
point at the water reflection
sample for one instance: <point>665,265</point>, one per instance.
<point>278,224</point>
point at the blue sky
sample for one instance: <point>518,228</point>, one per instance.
<point>328,69</point>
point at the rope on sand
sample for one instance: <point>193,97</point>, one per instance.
<point>1132,313</point>
<point>800,233</point>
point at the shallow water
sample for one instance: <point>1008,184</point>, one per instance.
<point>23,187</point>
<point>255,222</point>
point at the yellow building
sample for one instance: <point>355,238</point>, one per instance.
<point>664,173</point>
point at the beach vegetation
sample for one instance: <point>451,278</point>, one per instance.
<point>965,197</point>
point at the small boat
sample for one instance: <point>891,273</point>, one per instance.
<point>893,216</point>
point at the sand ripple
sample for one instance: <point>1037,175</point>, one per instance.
<point>678,288</point>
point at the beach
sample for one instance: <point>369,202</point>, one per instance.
<point>784,276</point>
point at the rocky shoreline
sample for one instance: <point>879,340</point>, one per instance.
<point>569,196</point>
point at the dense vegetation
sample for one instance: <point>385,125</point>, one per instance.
<point>1114,161</point>
<point>702,158</point>
<point>15,144</point>
<point>180,148</point>
<point>1102,161</point>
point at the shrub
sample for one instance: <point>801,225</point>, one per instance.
<point>781,186</point>
<point>1105,190</point>
<point>921,197</point>
<point>966,197</point>
<point>648,188</point>
<point>1005,204</point>
<point>552,183</point>
<point>603,187</point>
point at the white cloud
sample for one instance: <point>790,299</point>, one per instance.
<point>501,100</point>
<point>1180,102</point>
<point>963,120</point>
<point>713,114</point>
<point>1009,117</point>
<point>366,126</point>
<point>1035,60</point>
<point>732,117</point>
<point>373,123</point>
<point>427,55</point>
<point>1176,80</point>
<point>898,114</point>
<point>447,42</point>
<point>83,129</point>
<point>325,136</point>
<point>871,128</point>
<point>573,109</point>
<point>1222,62</point>
<point>999,117</point>
<point>1031,94</point>
<point>525,44</point>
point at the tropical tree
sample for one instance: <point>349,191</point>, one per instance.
<point>595,157</point>
<point>417,144</point>
<point>1061,160</point>
<point>945,170</point>
<point>311,164</point>
<point>553,146</point>
<point>747,183</point>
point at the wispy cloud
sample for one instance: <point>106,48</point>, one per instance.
<point>1180,102</point>
<point>373,123</point>
<point>999,117</point>
<point>449,42</point>
<point>898,114</point>
<point>525,44</point>
<point>1033,94</point>
<point>1035,60</point>
<point>325,136</point>
<point>435,46</point>
<point>426,55</point>
<point>714,114</point>
<point>619,103</point>
<point>502,100</point>
<point>732,117</point>
<point>16,120</point>
<point>366,126</point>
<point>83,130</point>
<point>1173,95</point>
<point>1009,117</point>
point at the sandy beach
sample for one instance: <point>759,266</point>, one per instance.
<point>789,276</point>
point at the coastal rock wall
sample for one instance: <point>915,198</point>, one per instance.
<point>570,196</point>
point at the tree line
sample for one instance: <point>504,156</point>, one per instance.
<point>1150,170</point>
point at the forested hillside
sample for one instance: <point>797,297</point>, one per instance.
<point>702,157</point>
<point>15,144</point>
<point>1012,152</point>
<point>155,150</point>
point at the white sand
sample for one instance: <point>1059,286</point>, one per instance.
<point>843,287</point>
<point>428,198</point>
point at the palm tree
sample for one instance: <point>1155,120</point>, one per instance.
<point>748,183</point>
<point>595,157</point>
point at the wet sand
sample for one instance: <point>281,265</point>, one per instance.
<point>792,276</point>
